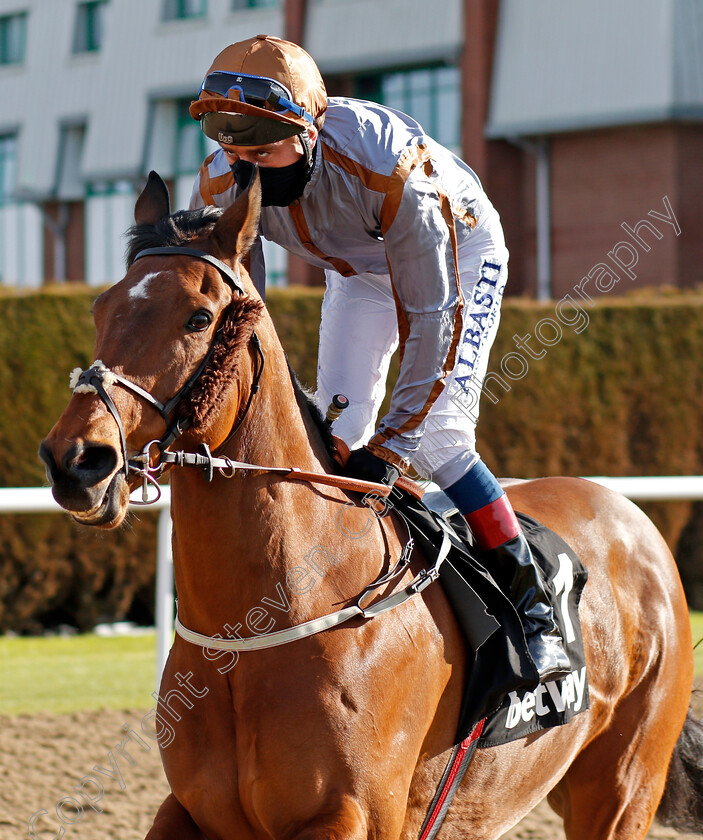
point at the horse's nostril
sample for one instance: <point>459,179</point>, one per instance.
<point>47,455</point>
<point>90,463</point>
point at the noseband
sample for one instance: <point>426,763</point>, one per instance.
<point>97,376</point>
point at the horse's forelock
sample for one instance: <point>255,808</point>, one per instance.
<point>180,228</point>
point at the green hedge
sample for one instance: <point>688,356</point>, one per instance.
<point>624,396</point>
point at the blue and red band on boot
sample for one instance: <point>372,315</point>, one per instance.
<point>483,503</point>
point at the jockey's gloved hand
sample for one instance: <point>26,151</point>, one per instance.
<point>365,465</point>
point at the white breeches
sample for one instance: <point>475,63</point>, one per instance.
<point>359,334</point>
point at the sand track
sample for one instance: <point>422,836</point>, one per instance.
<point>42,758</point>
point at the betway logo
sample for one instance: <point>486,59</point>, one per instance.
<point>547,698</point>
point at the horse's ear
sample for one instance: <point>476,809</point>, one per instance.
<point>153,204</point>
<point>236,229</point>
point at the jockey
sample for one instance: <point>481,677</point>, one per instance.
<point>413,253</point>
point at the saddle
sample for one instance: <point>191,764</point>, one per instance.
<point>501,681</point>
<point>502,687</point>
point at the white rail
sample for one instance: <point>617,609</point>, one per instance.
<point>40,500</point>
<point>655,488</point>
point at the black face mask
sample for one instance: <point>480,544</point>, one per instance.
<point>280,186</point>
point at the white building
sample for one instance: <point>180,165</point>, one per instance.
<point>577,117</point>
<point>95,93</point>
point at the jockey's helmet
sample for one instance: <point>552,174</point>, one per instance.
<point>259,91</point>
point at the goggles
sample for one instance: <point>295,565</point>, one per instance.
<point>258,91</point>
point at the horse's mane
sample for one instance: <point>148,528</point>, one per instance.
<point>308,403</point>
<point>178,229</point>
<point>238,323</point>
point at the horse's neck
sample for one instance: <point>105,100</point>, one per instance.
<point>278,429</point>
<point>237,540</point>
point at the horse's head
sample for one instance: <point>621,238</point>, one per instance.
<point>170,337</point>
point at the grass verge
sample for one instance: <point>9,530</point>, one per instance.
<point>79,673</point>
<point>76,673</point>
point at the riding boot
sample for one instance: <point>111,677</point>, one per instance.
<point>498,532</point>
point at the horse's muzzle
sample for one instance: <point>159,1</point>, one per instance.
<point>84,481</point>
<point>83,465</point>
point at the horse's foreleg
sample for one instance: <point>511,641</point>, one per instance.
<point>173,822</point>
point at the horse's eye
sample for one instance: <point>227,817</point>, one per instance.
<point>199,321</point>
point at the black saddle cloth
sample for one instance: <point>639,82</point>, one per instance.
<point>502,684</point>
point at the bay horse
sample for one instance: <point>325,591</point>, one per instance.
<point>344,734</point>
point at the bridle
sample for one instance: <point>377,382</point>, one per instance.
<point>97,376</point>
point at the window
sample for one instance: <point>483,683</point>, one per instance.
<point>276,262</point>
<point>109,211</point>
<point>192,146</point>
<point>189,150</point>
<point>71,186</point>
<point>432,96</point>
<point>21,226</point>
<point>90,26</point>
<point>253,4</point>
<point>179,9</point>
<point>13,38</point>
<point>8,160</point>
